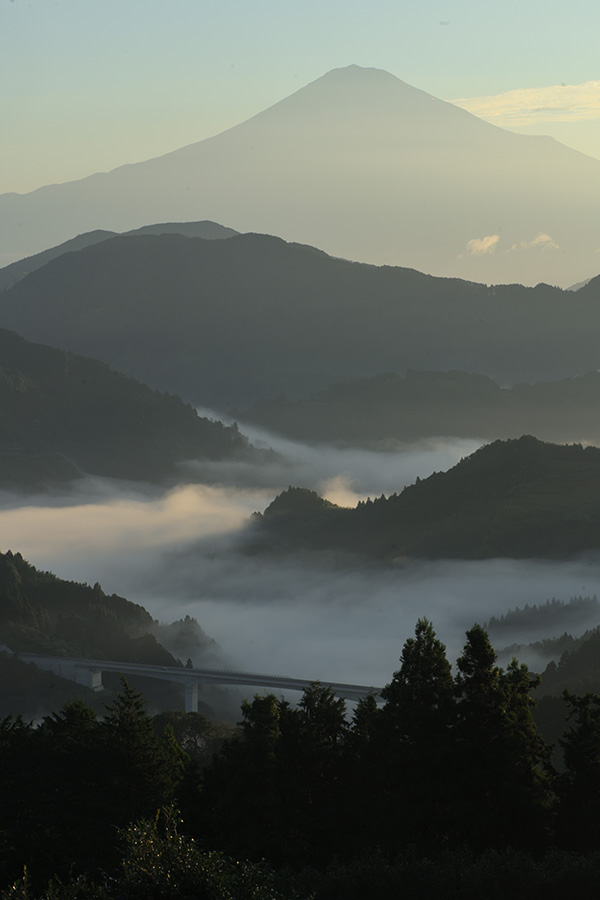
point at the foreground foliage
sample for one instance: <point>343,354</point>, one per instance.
<point>160,864</point>
<point>445,789</point>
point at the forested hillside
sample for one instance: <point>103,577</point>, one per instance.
<point>226,322</point>
<point>517,498</point>
<point>41,613</point>
<point>63,416</point>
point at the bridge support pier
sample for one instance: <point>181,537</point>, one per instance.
<point>91,678</point>
<point>191,698</point>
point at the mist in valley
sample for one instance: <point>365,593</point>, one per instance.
<point>181,553</point>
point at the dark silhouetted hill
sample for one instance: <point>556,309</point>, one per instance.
<point>518,498</point>
<point>41,613</point>
<point>63,415</point>
<point>224,323</point>
<point>14,272</point>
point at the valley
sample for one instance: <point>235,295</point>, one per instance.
<point>315,397</point>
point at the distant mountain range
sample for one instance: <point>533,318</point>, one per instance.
<point>225,323</point>
<point>14,272</point>
<point>366,167</point>
<point>63,416</point>
<point>520,499</point>
<point>374,411</point>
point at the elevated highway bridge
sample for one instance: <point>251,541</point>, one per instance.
<point>88,672</point>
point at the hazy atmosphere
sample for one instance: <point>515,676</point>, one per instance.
<point>176,555</point>
<point>477,204</point>
<point>179,554</point>
<point>97,86</point>
<point>316,125</point>
<point>299,450</point>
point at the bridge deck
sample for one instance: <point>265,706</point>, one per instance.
<point>89,671</point>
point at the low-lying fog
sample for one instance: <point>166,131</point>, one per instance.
<point>176,554</point>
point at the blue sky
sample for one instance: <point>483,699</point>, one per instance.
<point>86,86</point>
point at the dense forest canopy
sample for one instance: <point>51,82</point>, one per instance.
<point>447,774</point>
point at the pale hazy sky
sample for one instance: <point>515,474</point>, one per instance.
<point>86,85</point>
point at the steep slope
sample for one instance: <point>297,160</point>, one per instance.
<point>365,166</point>
<point>44,614</point>
<point>224,323</point>
<point>391,407</point>
<point>520,498</point>
<point>62,415</point>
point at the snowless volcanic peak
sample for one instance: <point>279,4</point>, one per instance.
<point>364,166</point>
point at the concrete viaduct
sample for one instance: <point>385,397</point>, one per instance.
<point>88,672</point>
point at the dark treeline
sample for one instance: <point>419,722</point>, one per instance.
<point>550,648</point>
<point>553,612</point>
<point>445,788</point>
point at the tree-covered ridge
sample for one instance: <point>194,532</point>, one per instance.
<point>443,789</point>
<point>549,648</point>
<point>516,498</point>
<point>553,613</point>
<point>42,613</point>
<point>391,407</point>
<point>63,415</point>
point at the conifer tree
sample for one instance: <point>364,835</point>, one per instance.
<point>139,776</point>
<point>415,734</point>
<point>502,763</point>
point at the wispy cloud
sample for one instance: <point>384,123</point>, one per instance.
<point>542,241</point>
<point>481,246</point>
<point>556,103</point>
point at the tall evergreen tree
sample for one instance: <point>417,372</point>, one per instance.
<point>414,735</point>
<point>502,762</point>
<point>140,776</point>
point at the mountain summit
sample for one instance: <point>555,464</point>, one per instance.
<point>364,166</point>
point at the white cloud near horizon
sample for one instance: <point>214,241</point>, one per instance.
<point>481,246</point>
<point>542,241</point>
<point>525,106</point>
<point>489,243</point>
